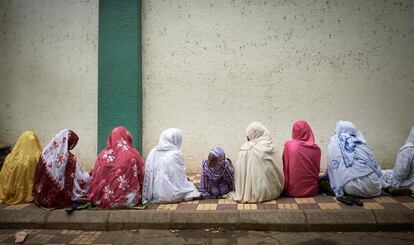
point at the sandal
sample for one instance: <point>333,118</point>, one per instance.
<point>399,191</point>
<point>356,201</point>
<point>345,200</point>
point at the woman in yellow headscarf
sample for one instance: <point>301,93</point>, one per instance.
<point>17,174</point>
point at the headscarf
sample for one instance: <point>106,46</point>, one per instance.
<point>18,172</point>
<point>303,133</point>
<point>258,170</point>
<point>257,130</point>
<point>56,154</point>
<point>301,162</point>
<point>349,136</point>
<point>349,157</point>
<point>165,179</point>
<point>216,172</point>
<point>170,139</point>
<point>118,174</point>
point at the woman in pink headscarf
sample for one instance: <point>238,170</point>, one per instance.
<point>301,162</point>
<point>118,174</point>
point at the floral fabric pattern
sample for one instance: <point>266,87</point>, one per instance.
<point>59,179</point>
<point>118,173</point>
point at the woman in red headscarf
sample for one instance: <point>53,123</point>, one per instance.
<point>118,174</point>
<point>301,162</point>
<point>59,180</point>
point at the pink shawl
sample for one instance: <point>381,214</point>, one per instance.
<point>118,174</point>
<point>301,162</point>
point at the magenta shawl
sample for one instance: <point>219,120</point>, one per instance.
<point>301,162</point>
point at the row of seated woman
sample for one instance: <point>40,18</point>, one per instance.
<point>52,178</point>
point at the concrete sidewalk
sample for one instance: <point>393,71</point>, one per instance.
<point>320,213</point>
<point>284,214</point>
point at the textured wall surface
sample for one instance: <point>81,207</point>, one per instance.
<point>48,71</point>
<point>212,67</point>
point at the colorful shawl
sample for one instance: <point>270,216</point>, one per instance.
<point>218,180</point>
<point>118,174</point>
<point>59,179</point>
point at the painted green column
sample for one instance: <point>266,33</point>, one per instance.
<point>119,69</point>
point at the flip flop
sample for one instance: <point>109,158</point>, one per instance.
<point>20,237</point>
<point>399,191</point>
<point>345,200</point>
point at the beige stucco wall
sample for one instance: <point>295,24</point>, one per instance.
<point>48,71</point>
<point>212,67</point>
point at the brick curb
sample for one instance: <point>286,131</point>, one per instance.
<point>281,220</point>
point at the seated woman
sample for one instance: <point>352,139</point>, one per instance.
<point>118,174</point>
<point>59,180</point>
<point>18,172</point>
<point>217,176</point>
<point>352,169</point>
<point>165,180</point>
<point>258,169</point>
<point>402,176</point>
<point>301,162</point>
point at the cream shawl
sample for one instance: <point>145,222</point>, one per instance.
<point>258,169</point>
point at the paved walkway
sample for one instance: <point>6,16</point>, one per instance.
<point>320,213</point>
<point>207,236</point>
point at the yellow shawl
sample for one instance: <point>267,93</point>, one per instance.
<point>17,174</point>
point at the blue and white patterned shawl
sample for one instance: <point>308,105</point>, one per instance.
<point>349,157</point>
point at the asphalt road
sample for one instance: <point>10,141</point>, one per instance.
<point>206,236</point>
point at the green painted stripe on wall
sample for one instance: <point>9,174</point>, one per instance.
<point>119,69</point>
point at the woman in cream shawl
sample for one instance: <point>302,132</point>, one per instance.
<point>258,169</point>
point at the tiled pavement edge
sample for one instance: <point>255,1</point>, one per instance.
<point>319,213</point>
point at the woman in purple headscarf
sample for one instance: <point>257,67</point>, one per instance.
<point>217,176</point>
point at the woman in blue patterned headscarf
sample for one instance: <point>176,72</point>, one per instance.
<point>352,168</point>
<point>217,177</point>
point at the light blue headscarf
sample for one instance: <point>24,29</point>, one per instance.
<point>349,137</point>
<point>349,157</point>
